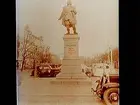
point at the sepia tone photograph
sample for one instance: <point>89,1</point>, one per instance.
<point>67,52</point>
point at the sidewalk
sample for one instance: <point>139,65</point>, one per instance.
<point>37,91</point>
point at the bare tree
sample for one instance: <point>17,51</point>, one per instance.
<point>30,50</point>
<point>47,56</point>
<point>27,45</point>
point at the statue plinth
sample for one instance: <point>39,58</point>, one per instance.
<point>71,73</point>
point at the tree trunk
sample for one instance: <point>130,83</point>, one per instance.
<point>23,63</point>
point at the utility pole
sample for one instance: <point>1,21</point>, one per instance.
<point>110,51</point>
<point>111,56</point>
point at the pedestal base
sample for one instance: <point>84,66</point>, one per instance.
<point>72,87</point>
<point>72,84</point>
<point>74,76</point>
<point>40,91</point>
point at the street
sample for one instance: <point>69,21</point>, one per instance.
<point>35,91</point>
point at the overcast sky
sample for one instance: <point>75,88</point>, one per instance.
<point>97,23</point>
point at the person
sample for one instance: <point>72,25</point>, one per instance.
<point>68,16</point>
<point>107,71</point>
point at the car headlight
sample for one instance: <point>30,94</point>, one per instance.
<point>49,70</point>
<point>40,67</point>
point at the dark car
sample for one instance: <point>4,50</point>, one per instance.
<point>48,70</point>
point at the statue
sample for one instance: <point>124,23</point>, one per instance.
<point>68,17</point>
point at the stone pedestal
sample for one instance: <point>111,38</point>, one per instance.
<point>71,64</point>
<point>71,75</point>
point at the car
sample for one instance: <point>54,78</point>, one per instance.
<point>98,69</point>
<point>108,89</point>
<point>87,70</point>
<point>48,70</point>
<point>88,73</point>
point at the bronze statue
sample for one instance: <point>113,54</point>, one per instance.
<point>68,17</point>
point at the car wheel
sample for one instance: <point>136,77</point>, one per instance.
<point>111,96</point>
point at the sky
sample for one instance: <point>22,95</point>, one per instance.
<point>97,23</point>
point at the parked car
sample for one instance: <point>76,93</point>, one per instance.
<point>108,89</point>
<point>87,70</point>
<point>98,69</point>
<point>48,70</point>
<point>89,73</point>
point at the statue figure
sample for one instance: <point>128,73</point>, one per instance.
<point>68,17</point>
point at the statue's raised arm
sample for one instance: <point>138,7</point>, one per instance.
<point>68,17</point>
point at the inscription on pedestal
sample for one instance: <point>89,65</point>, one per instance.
<point>71,51</point>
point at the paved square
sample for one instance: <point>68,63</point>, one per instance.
<point>36,91</point>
